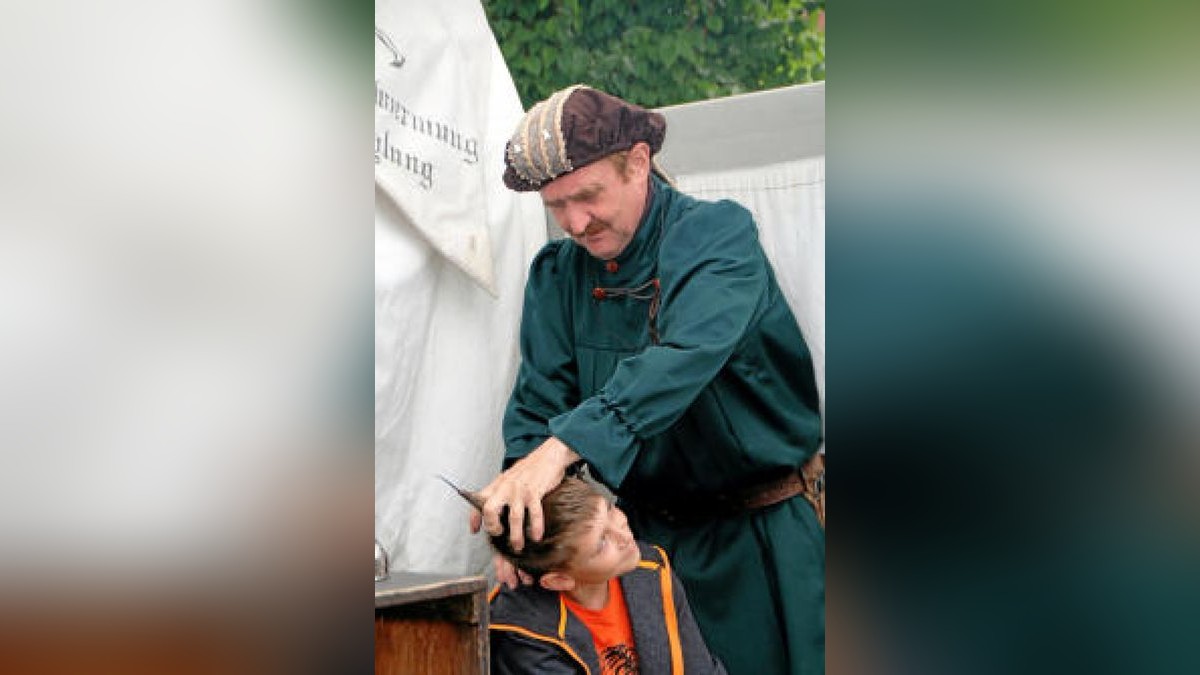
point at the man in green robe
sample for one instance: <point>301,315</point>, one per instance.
<point>657,347</point>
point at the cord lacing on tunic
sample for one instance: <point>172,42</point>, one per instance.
<point>650,290</point>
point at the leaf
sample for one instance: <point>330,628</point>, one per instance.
<point>669,53</point>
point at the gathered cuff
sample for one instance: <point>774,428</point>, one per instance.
<point>599,432</point>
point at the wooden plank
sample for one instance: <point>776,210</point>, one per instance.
<point>409,587</point>
<point>431,625</point>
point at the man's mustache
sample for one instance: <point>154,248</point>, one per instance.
<point>594,227</point>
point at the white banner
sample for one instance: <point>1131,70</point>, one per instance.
<point>432,89</point>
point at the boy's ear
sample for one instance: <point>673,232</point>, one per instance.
<point>557,581</point>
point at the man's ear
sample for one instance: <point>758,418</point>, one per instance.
<point>639,160</point>
<point>557,581</point>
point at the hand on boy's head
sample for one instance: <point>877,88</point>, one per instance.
<point>521,489</point>
<point>478,519</point>
<point>508,507</point>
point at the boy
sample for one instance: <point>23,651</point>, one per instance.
<point>602,603</point>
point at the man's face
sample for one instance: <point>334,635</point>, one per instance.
<point>598,206</point>
<point>605,548</point>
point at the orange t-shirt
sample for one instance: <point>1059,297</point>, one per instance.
<point>611,631</point>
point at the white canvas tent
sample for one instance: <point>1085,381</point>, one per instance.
<point>453,246</point>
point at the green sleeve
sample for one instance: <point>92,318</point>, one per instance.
<point>714,283</point>
<point>546,384</point>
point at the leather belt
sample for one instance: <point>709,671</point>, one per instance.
<point>813,473</point>
<point>808,481</point>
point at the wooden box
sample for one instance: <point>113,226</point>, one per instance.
<point>431,625</point>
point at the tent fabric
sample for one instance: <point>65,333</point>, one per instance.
<point>748,130</point>
<point>452,246</point>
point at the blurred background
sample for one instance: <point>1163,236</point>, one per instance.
<point>185,267</point>
<point>1013,324</point>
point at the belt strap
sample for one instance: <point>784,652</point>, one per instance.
<point>813,473</point>
<point>808,481</point>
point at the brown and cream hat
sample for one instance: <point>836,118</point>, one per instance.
<point>573,128</point>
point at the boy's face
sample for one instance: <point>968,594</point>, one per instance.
<point>606,547</point>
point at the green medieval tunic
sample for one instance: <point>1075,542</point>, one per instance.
<point>696,384</point>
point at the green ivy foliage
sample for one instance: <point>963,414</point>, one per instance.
<point>658,52</point>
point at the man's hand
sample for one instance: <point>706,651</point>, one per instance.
<point>522,487</point>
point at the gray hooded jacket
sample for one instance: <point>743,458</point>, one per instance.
<point>533,632</point>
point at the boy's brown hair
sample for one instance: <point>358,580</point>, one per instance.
<point>566,510</point>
